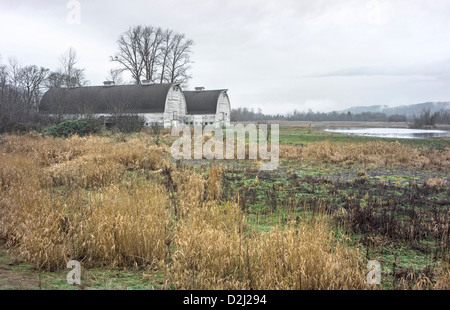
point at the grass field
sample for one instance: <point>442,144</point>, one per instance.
<point>137,219</point>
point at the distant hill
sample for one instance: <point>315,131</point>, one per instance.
<point>408,110</point>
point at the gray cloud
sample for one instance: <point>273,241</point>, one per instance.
<point>274,54</point>
<point>440,69</point>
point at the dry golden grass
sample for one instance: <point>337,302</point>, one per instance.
<point>48,217</point>
<point>214,252</point>
<point>128,225</point>
<point>377,153</point>
<point>117,201</point>
<point>190,189</point>
<point>305,257</point>
<point>373,153</point>
<point>117,226</point>
<point>207,251</point>
<point>45,151</point>
<point>421,280</point>
<point>436,182</point>
<point>86,172</point>
<point>443,278</point>
<point>133,153</point>
<point>214,183</point>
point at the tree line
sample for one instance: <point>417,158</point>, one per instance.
<point>423,120</point>
<point>22,87</point>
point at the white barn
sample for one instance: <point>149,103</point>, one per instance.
<point>163,104</point>
<point>208,107</point>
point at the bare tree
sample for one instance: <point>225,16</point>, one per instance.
<point>31,81</point>
<point>20,91</point>
<point>166,47</point>
<point>115,75</point>
<point>55,79</point>
<point>13,109</point>
<point>13,69</point>
<point>155,54</point>
<point>68,75</point>
<point>72,75</point>
<point>179,60</point>
<point>4,77</point>
<point>152,39</point>
<point>129,56</point>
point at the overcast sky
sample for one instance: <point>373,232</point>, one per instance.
<point>278,55</point>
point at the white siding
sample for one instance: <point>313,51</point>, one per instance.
<point>152,118</point>
<point>175,109</point>
<point>222,117</point>
<point>201,119</point>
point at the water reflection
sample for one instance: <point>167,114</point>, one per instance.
<point>401,133</point>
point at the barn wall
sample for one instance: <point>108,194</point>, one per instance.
<point>175,102</point>
<point>222,117</point>
<point>202,119</point>
<point>152,118</point>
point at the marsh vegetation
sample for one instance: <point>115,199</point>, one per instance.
<point>118,202</point>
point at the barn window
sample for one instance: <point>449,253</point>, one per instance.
<point>175,115</point>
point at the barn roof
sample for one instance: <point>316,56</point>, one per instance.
<point>137,98</point>
<point>202,101</point>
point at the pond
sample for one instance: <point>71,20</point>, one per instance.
<point>400,133</point>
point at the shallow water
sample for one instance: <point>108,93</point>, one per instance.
<point>400,133</point>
